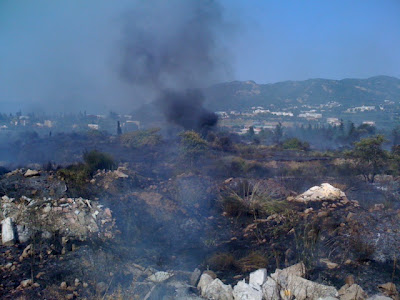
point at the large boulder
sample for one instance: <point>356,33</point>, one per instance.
<point>204,282</point>
<point>31,173</point>
<point>324,192</point>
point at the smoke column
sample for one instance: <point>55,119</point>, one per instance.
<point>170,50</point>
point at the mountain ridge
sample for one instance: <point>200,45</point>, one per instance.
<point>348,92</point>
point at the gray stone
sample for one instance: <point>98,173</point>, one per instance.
<point>194,278</point>
<point>257,278</point>
<point>204,282</point>
<point>352,292</point>
<point>24,234</point>
<point>270,289</point>
<point>244,291</point>
<point>217,290</point>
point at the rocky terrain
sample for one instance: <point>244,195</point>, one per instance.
<point>190,218</point>
<point>55,246</point>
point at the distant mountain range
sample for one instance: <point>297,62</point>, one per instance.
<point>348,92</point>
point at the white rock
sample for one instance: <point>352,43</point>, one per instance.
<point>7,232</point>
<point>26,282</point>
<point>204,282</point>
<point>47,209</point>
<point>297,270</point>
<point>160,276</point>
<point>244,291</point>
<point>217,290</point>
<point>31,173</point>
<point>324,192</point>
<point>257,278</point>
<point>120,174</point>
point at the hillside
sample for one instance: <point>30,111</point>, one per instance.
<point>348,92</point>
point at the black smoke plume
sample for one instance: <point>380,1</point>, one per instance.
<point>170,48</point>
<point>186,109</point>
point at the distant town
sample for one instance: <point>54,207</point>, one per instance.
<point>260,118</point>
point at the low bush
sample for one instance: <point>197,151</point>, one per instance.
<point>221,262</point>
<point>141,138</point>
<point>295,144</point>
<point>96,160</point>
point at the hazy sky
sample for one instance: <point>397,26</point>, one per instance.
<point>63,55</point>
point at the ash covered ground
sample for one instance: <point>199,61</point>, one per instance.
<point>142,216</point>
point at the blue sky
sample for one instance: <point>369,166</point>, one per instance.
<point>301,39</point>
<point>62,54</point>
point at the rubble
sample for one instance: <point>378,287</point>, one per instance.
<point>76,218</point>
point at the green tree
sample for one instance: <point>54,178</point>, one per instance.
<point>251,132</point>
<point>396,135</point>
<point>278,133</point>
<point>369,156</point>
<point>295,144</point>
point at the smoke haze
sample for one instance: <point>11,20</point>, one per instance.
<point>101,55</point>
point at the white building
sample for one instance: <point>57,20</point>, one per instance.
<point>93,126</point>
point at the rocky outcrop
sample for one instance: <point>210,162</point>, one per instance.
<point>324,192</point>
<point>244,291</point>
<point>283,284</point>
<point>288,283</point>
<point>72,218</point>
<point>215,289</point>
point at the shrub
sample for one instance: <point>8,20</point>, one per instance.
<point>141,138</point>
<point>295,144</point>
<point>96,160</point>
<point>193,145</point>
<point>76,177</point>
<point>221,262</point>
<point>247,200</point>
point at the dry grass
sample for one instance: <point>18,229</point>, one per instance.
<point>253,261</point>
<point>221,262</point>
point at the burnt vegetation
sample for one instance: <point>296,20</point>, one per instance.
<point>210,200</point>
